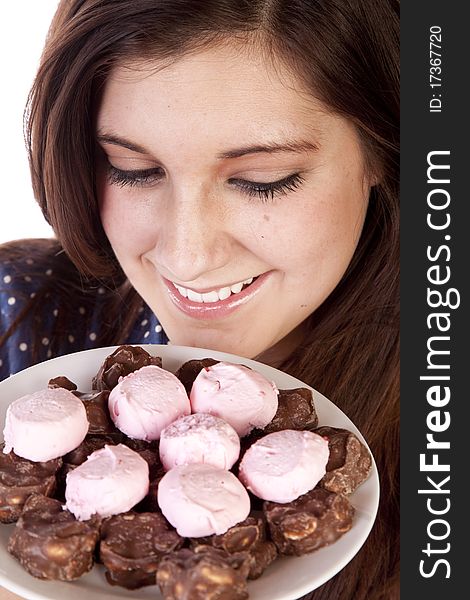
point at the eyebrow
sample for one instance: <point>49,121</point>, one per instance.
<point>269,147</point>
<point>118,141</point>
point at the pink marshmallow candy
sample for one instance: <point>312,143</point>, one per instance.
<point>283,465</point>
<point>45,425</point>
<point>146,401</point>
<point>236,394</point>
<point>201,500</point>
<point>199,438</point>
<point>111,481</point>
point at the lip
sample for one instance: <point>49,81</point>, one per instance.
<point>219,309</point>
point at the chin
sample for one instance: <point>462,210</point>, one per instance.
<point>213,342</point>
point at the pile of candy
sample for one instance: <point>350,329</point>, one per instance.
<point>195,481</point>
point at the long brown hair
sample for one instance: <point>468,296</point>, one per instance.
<point>347,52</point>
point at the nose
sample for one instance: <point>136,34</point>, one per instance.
<point>193,236</point>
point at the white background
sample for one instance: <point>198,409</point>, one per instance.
<point>24,25</point>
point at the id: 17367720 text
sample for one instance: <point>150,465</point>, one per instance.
<point>435,68</point>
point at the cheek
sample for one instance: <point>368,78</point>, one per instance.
<point>318,229</point>
<point>318,232</point>
<point>127,226</point>
<point>115,223</point>
<point>338,219</point>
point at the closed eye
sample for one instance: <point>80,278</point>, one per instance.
<point>140,177</point>
<point>269,190</point>
<point>264,191</point>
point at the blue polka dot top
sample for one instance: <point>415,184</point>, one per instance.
<point>21,279</point>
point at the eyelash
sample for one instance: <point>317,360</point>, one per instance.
<point>131,178</point>
<point>268,191</point>
<point>263,191</point>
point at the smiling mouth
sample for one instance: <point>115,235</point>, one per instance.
<point>216,295</point>
<point>216,308</point>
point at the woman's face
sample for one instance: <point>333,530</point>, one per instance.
<point>219,169</point>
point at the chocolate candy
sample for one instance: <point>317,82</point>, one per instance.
<point>96,406</point>
<point>140,445</point>
<point>349,463</point>
<point>62,382</point>
<point>97,412</point>
<point>121,362</point>
<point>50,543</point>
<point>88,446</point>
<point>248,536</point>
<point>263,555</point>
<point>316,519</point>
<point>19,478</point>
<point>189,370</point>
<point>202,574</point>
<point>296,410</point>
<point>132,545</point>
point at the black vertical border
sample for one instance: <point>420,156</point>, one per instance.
<point>422,132</point>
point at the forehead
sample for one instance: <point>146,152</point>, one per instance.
<point>224,85</point>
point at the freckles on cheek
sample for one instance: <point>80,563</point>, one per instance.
<point>309,234</point>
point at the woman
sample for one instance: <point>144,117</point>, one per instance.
<point>224,175</point>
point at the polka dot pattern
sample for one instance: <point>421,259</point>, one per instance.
<point>41,335</point>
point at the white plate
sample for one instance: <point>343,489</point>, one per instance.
<point>286,579</point>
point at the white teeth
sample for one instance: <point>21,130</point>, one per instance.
<point>210,297</point>
<point>214,295</point>
<point>224,293</point>
<point>237,287</point>
<point>194,296</point>
<point>183,291</point>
